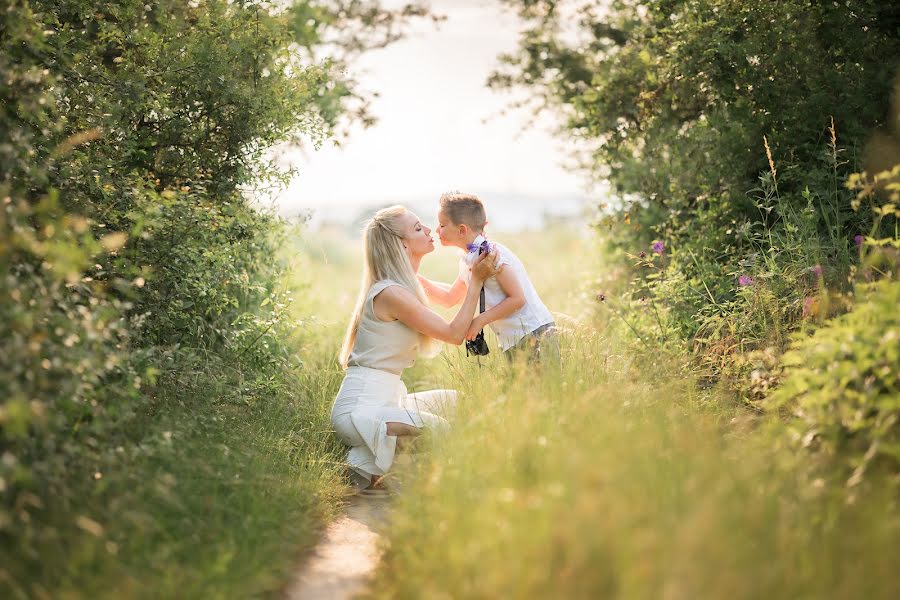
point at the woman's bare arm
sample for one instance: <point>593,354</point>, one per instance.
<point>402,304</point>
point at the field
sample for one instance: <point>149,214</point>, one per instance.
<point>619,476</point>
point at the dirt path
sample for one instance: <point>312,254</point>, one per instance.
<point>344,561</point>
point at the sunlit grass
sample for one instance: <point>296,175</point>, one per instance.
<point>215,496</point>
<point>614,479</point>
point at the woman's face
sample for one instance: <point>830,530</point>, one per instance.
<point>417,239</point>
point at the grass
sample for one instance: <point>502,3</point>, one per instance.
<point>217,498</point>
<point>616,477</point>
<point>619,477</point>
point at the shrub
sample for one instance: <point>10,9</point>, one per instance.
<point>134,270</point>
<point>842,383</point>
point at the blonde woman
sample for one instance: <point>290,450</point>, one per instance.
<point>391,325</point>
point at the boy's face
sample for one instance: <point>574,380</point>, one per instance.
<point>450,233</point>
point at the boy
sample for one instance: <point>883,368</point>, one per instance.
<point>513,308</point>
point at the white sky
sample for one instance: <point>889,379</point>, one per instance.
<point>431,134</point>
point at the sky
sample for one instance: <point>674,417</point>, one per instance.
<point>439,128</point>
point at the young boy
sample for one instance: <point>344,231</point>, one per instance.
<point>513,308</point>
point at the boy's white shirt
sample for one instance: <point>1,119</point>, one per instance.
<point>533,313</point>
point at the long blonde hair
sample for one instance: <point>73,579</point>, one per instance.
<point>385,258</point>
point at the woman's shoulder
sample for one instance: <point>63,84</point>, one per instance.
<point>383,284</point>
<point>389,287</point>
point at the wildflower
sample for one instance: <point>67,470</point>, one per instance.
<point>816,270</point>
<point>810,307</point>
<point>858,240</point>
<point>745,280</point>
<point>658,247</point>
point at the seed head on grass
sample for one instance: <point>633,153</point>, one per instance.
<point>769,156</point>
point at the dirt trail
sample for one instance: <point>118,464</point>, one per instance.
<point>343,563</point>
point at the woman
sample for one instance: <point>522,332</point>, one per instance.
<point>391,325</point>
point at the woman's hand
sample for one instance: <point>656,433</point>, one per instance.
<point>476,326</point>
<point>485,267</point>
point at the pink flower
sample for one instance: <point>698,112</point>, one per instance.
<point>816,270</point>
<point>745,280</point>
<point>810,307</point>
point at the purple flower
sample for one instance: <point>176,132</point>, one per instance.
<point>858,240</point>
<point>745,280</point>
<point>658,247</point>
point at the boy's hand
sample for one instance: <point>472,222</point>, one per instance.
<point>474,328</point>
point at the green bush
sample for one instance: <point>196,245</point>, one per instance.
<point>140,290</point>
<point>842,383</point>
<point>726,130</point>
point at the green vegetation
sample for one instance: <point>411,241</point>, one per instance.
<point>623,477</point>
<point>845,381</point>
<point>725,421</point>
<point>619,480</point>
<point>159,434</point>
<point>731,134</point>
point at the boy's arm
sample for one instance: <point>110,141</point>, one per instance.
<point>442,293</point>
<point>515,299</point>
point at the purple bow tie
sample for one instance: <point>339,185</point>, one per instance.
<point>484,246</point>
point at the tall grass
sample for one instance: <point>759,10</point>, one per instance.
<point>216,498</point>
<point>619,476</point>
<point>616,479</point>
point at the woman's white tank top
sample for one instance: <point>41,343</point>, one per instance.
<point>385,345</point>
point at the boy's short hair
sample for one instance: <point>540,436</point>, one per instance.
<point>464,209</point>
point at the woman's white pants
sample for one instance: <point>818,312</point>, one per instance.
<point>368,400</point>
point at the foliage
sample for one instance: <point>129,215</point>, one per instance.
<point>843,384</point>
<point>137,278</point>
<point>613,479</point>
<point>725,130</point>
